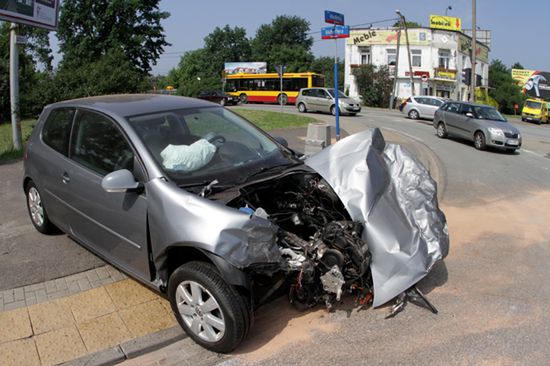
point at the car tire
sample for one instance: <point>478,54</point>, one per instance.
<point>353,114</point>
<point>522,119</point>
<point>510,151</point>
<point>413,114</point>
<point>222,102</point>
<point>223,323</point>
<point>282,99</point>
<point>479,141</point>
<point>441,130</point>
<point>333,110</point>
<point>302,108</point>
<point>243,98</point>
<point>37,211</point>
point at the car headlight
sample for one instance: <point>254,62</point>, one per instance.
<point>496,131</point>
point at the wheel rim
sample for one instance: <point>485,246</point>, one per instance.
<point>478,140</point>
<point>441,130</point>
<point>35,206</point>
<point>414,115</point>
<point>200,311</point>
<point>301,108</point>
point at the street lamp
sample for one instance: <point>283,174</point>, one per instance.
<point>448,8</point>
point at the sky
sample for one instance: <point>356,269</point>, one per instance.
<point>520,29</point>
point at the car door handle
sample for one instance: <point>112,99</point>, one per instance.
<point>66,179</point>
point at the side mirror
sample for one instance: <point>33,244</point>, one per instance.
<point>120,181</point>
<point>281,140</point>
<point>469,114</point>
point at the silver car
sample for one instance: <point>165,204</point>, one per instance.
<point>200,205</point>
<point>422,106</point>
<point>482,124</point>
<point>323,100</point>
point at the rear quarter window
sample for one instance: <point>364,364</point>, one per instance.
<point>57,129</point>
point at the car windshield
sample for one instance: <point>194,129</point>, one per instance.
<point>534,105</point>
<point>340,93</point>
<point>488,113</point>
<point>199,145</point>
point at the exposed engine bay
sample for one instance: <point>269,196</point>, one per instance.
<point>321,247</point>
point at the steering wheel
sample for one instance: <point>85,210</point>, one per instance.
<point>217,140</point>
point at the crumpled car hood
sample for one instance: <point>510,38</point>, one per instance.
<point>387,189</point>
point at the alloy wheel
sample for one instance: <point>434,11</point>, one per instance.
<point>35,206</point>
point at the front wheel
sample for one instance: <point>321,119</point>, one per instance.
<point>441,130</point>
<point>302,108</point>
<point>37,212</point>
<point>479,141</point>
<point>333,110</point>
<point>210,311</point>
<point>222,102</point>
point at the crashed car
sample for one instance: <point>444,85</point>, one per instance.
<point>202,206</point>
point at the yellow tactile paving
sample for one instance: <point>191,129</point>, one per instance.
<point>146,318</point>
<point>103,332</point>
<point>14,324</point>
<point>60,345</point>
<point>91,304</point>
<point>19,352</point>
<point>51,315</point>
<point>128,292</point>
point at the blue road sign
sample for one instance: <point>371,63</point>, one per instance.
<point>334,18</point>
<point>337,31</point>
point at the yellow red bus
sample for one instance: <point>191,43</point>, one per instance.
<point>266,88</point>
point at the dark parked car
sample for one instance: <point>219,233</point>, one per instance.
<point>200,205</point>
<point>219,97</point>
<point>482,124</point>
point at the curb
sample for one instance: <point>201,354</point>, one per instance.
<point>131,349</point>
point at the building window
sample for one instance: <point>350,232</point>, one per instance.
<point>416,58</point>
<point>444,57</point>
<point>365,55</point>
<point>391,56</point>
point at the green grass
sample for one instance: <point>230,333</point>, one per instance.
<point>7,152</point>
<point>273,120</point>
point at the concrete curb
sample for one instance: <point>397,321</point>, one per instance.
<point>131,349</point>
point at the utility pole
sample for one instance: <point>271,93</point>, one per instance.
<point>408,51</point>
<point>14,89</point>
<point>474,46</point>
<point>396,69</point>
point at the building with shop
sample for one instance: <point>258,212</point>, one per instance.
<point>438,59</point>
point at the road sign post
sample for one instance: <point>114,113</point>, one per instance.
<point>338,30</point>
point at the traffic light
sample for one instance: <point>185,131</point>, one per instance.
<point>467,76</point>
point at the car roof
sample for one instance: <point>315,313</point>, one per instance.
<point>470,103</point>
<point>126,105</point>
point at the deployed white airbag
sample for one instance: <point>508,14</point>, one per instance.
<point>188,158</point>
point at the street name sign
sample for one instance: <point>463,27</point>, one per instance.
<point>337,31</point>
<point>333,17</point>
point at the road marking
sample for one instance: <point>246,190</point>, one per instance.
<point>533,153</point>
<point>404,133</point>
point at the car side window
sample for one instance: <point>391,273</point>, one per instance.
<point>306,92</point>
<point>436,102</point>
<point>453,107</point>
<point>466,108</point>
<point>420,100</point>
<point>322,93</point>
<point>57,129</point>
<point>99,145</point>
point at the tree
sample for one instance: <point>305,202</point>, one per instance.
<point>375,84</point>
<point>191,76</point>
<point>517,65</point>
<point>284,42</point>
<point>502,87</point>
<point>89,29</point>
<point>226,45</point>
<point>325,65</point>
<point>409,24</point>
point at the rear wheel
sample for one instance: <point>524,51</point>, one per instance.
<point>243,98</point>
<point>302,108</point>
<point>479,141</point>
<point>413,114</point>
<point>37,212</point>
<point>212,313</point>
<point>282,99</point>
<point>441,130</point>
<point>333,110</point>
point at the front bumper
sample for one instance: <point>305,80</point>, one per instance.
<point>504,142</point>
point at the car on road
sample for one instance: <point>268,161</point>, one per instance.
<point>219,97</point>
<point>421,106</point>
<point>202,206</point>
<point>482,124</point>
<point>535,110</point>
<point>323,100</point>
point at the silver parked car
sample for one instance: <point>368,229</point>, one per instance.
<point>200,205</point>
<point>322,100</point>
<point>482,124</point>
<point>422,106</point>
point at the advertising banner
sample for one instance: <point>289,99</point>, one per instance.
<point>465,47</point>
<point>245,67</point>
<point>535,84</point>
<point>445,22</point>
<point>367,37</point>
<point>37,13</point>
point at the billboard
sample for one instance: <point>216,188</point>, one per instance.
<point>534,83</point>
<point>445,22</point>
<point>37,13</point>
<point>465,47</point>
<point>245,67</point>
<point>367,37</point>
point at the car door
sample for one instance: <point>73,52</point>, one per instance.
<point>422,106</point>
<point>316,99</point>
<point>469,124</point>
<point>112,224</point>
<point>453,120</point>
<point>325,100</point>
<point>434,106</point>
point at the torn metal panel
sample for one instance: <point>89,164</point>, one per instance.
<point>392,194</point>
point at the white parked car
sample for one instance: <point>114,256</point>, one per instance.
<point>422,106</point>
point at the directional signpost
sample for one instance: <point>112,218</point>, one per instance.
<point>337,30</point>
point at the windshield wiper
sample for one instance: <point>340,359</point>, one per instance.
<point>273,168</point>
